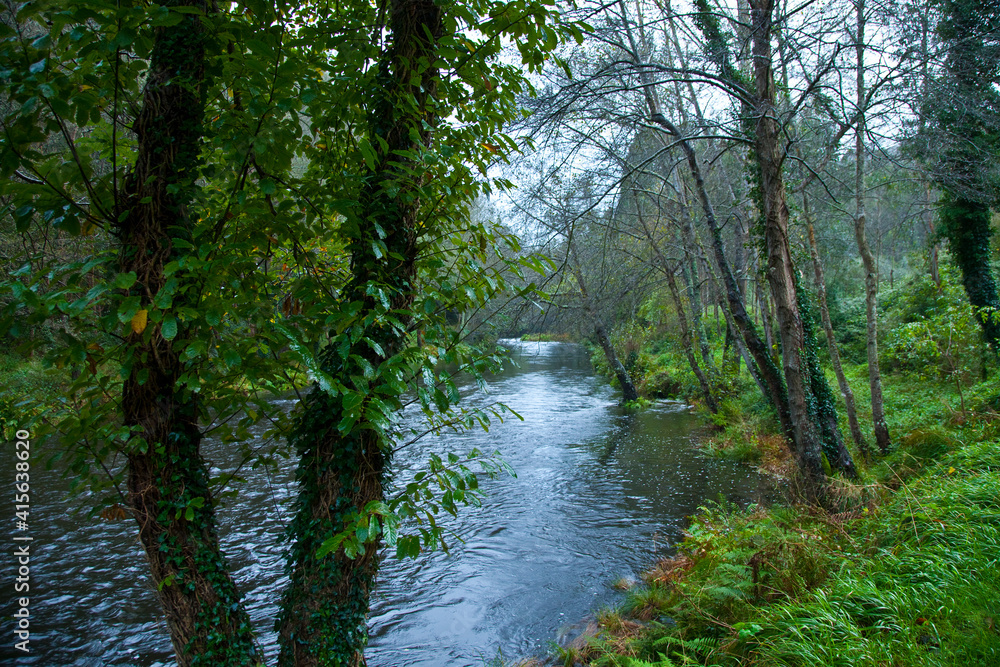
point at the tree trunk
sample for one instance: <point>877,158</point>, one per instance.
<point>831,340</point>
<point>966,224</point>
<point>629,392</point>
<point>781,272</point>
<point>693,282</point>
<point>686,342</point>
<point>343,460</point>
<point>168,481</point>
<point>871,271</point>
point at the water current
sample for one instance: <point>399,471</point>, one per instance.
<point>599,494</point>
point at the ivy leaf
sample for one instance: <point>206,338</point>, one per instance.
<point>125,280</point>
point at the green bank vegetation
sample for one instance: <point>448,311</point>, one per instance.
<point>898,566</point>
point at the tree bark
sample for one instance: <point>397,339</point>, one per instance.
<point>831,340</point>
<point>343,468</point>
<point>871,270</point>
<point>781,272</point>
<point>168,480</point>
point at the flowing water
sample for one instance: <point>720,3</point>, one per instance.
<point>599,494</point>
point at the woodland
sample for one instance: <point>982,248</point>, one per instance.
<point>779,211</point>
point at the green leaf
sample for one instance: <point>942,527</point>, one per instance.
<point>125,280</point>
<point>168,329</point>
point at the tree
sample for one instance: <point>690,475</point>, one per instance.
<point>216,260</point>
<point>961,142</point>
<point>342,468</point>
<point>415,189</point>
<point>871,271</point>
<point>77,183</point>
<point>168,479</point>
<point>781,272</point>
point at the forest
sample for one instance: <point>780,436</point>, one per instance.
<point>779,212</point>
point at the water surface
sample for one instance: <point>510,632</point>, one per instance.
<point>598,495</point>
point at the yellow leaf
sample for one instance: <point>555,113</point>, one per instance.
<point>139,322</point>
<point>950,470</point>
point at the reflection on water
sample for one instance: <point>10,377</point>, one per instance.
<point>598,494</point>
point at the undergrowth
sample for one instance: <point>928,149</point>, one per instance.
<point>903,568</point>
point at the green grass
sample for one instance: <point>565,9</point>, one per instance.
<point>904,569</point>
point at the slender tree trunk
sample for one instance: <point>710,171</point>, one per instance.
<point>781,272</point>
<point>686,342</point>
<point>168,480</point>
<point>766,322</point>
<point>831,340</point>
<point>343,468</point>
<point>629,392</point>
<point>871,270</point>
<point>741,347</point>
<point>693,282</point>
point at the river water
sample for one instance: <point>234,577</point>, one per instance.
<point>599,494</point>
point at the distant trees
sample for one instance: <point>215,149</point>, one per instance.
<point>639,78</point>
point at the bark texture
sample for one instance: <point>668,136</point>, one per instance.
<point>780,270</point>
<point>324,610</point>
<point>168,481</point>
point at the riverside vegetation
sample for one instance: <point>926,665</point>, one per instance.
<point>900,567</point>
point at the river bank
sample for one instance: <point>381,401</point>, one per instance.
<point>899,569</point>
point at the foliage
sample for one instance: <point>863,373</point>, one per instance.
<point>902,574</point>
<point>934,331</point>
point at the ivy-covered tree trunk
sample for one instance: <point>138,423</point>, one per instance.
<point>343,452</point>
<point>831,340</point>
<point>966,225</point>
<point>168,481</point>
<point>963,145</point>
<point>781,271</point>
<point>822,408</point>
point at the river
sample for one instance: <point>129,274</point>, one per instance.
<point>599,494</point>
